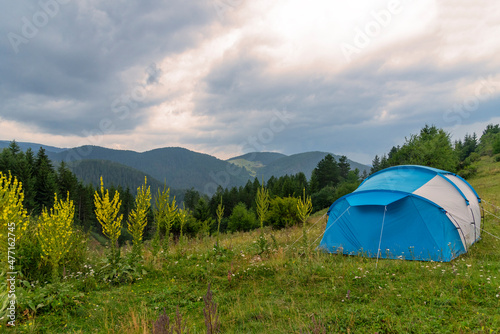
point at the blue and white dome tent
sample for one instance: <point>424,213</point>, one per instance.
<point>409,212</point>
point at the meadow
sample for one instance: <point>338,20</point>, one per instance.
<point>290,288</point>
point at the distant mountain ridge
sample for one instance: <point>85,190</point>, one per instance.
<point>267,164</point>
<point>34,147</point>
<point>180,168</point>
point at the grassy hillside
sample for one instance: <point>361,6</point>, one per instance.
<point>290,288</point>
<point>302,162</point>
<point>251,166</point>
<point>269,164</point>
<point>487,180</point>
<point>265,158</point>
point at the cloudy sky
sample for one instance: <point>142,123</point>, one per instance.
<point>227,77</point>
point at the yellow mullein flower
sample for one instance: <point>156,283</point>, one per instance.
<point>106,212</point>
<point>13,216</point>
<point>137,219</point>
<point>55,230</point>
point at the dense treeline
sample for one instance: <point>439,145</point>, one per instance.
<point>41,180</point>
<point>330,180</point>
<point>433,147</point>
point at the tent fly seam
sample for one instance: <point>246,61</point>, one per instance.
<point>380,241</point>
<point>307,231</point>
<point>457,226</point>
<point>473,223</point>
<point>328,226</point>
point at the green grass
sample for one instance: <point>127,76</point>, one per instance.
<point>250,166</point>
<point>281,291</point>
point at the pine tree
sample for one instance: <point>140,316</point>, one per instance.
<point>45,181</point>
<point>344,167</point>
<point>326,173</point>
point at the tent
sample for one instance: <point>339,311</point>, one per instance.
<point>405,212</point>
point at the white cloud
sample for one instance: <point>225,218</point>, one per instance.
<point>222,73</point>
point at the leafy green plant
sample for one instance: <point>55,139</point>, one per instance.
<point>107,213</point>
<point>137,219</point>
<point>304,208</point>
<point>220,214</point>
<point>262,202</point>
<point>119,272</point>
<point>29,255</point>
<point>165,213</point>
<point>13,217</point>
<point>242,219</point>
<point>59,296</point>
<point>55,231</point>
<point>181,216</point>
<point>283,212</point>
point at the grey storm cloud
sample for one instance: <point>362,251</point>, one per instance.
<point>328,109</point>
<point>63,61</point>
<point>218,75</point>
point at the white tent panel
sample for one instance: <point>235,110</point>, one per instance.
<point>473,201</point>
<point>440,191</point>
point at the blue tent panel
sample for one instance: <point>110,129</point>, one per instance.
<point>406,179</point>
<point>375,198</point>
<point>414,229</point>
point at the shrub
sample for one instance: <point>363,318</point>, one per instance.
<point>283,212</point>
<point>29,256</point>
<point>323,198</point>
<point>242,219</point>
<point>74,260</point>
<point>59,297</point>
<point>344,189</point>
<point>496,145</point>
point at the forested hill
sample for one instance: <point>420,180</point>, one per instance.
<point>178,167</point>
<point>115,174</point>
<point>34,147</point>
<point>267,164</point>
